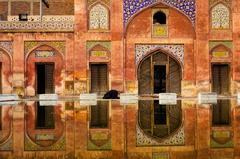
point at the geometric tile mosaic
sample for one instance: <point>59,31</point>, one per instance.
<point>144,140</point>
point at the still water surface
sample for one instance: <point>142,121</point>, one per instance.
<point>74,129</point>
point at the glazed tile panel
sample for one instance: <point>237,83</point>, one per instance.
<point>132,7</point>
<point>176,51</point>
<point>98,17</point>
<point>220,17</point>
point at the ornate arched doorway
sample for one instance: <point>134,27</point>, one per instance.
<point>44,70</point>
<point>159,73</point>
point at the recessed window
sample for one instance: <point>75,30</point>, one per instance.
<point>159,23</point>
<point>159,18</point>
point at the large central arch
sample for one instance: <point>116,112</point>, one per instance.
<point>159,72</point>
<point>132,7</point>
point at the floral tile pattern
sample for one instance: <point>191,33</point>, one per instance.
<point>98,17</point>
<point>144,140</point>
<point>220,17</point>
<point>7,46</point>
<point>175,50</point>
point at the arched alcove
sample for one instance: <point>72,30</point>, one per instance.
<point>44,63</point>
<point>159,73</point>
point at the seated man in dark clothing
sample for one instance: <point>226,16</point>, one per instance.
<point>112,94</point>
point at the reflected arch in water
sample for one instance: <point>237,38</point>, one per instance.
<point>6,132</point>
<point>160,124</point>
<point>44,138</point>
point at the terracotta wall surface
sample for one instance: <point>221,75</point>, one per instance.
<point>73,55</point>
<point>31,7</point>
<point>122,39</point>
<point>3,10</point>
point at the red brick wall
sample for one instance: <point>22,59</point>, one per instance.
<point>20,8</point>
<point>3,10</point>
<point>55,8</point>
<point>65,7</point>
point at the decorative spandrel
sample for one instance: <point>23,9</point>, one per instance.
<point>133,7</point>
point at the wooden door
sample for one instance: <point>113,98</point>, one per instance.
<point>159,120</point>
<point>160,79</point>
<point>45,78</point>
<point>220,78</point>
<point>45,117</point>
<point>159,73</point>
<point>45,85</point>
<point>99,78</point>
<point>221,113</point>
<point>99,115</point>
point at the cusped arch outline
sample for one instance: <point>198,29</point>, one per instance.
<point>221,45</point>
<point>177,137</point>
<point>31,144</point>
<point>176,52</point>
<point>99,45</point>
<point>39,46</point>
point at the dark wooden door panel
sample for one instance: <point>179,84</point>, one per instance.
<point>159,73</point>
<point>220,78</point>
<point>99,78</point>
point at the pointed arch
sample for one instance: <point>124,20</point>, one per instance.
<point>98,17</point>
<point>170,75</point>
<point>133,8</point>
<point>220,16</point>
<point>43,53</point>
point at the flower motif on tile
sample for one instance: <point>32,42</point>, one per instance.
<point>175,50</point>
<point>144,140</point>
<point>98,17</point>
<point>7,145</point>
<point>92,44</point>
<point>220,17</point>
<point>59,145</point>
<point>59,45</point>
<point>7,46</point>
<point>133,7</point>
